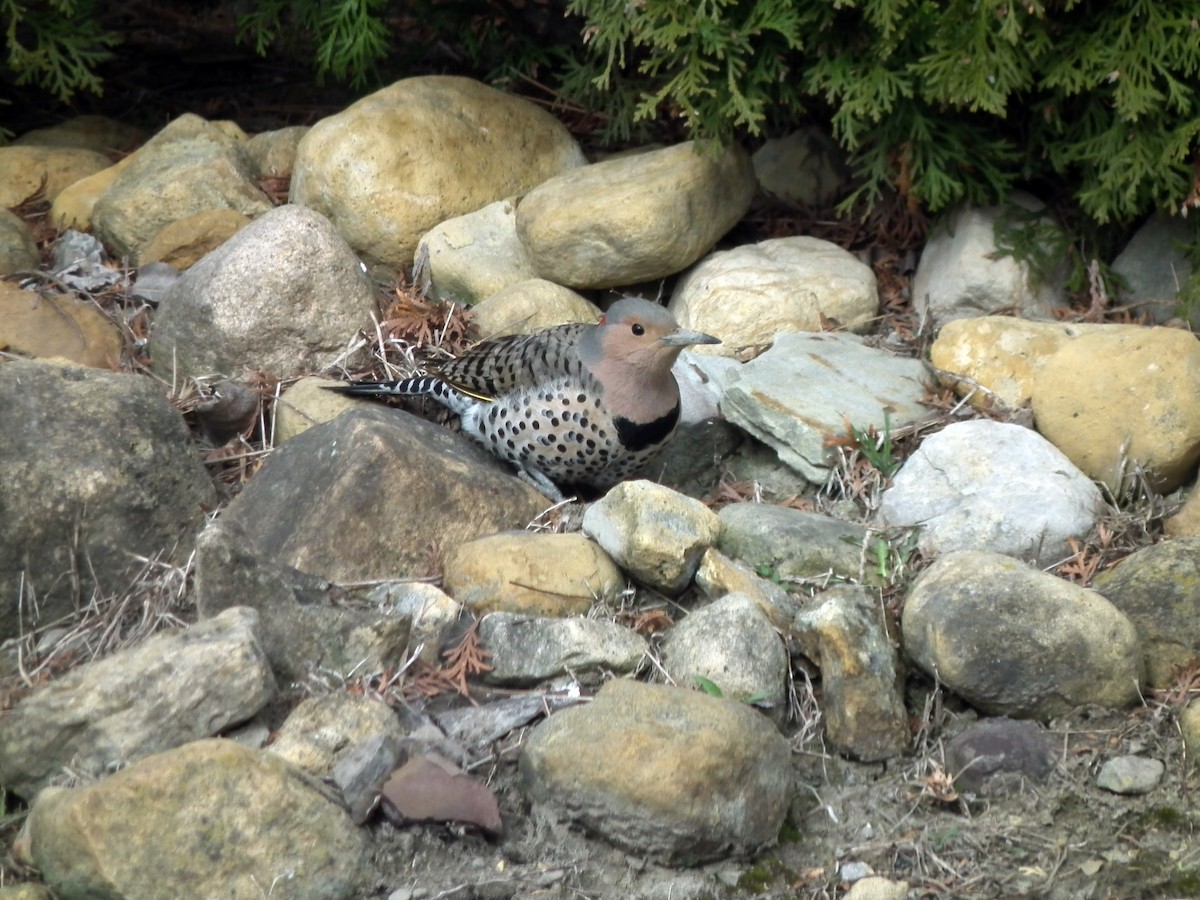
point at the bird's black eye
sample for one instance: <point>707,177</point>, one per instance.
<point>638,329</point>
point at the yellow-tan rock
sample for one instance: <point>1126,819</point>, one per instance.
<point>273,153</point>
<point>99,133</point>
<point>1186,522</point>
<point>1001,354</point>
<point>22,170</point>
<point>635,218</point>
<point>530,306</point>
<point>18,249</point>
<point>190,166</point>
<point>719,575</point>
<point>1109,399</point>
<point>305,404</point>
<point>231,129</point>
<point>546,574</point>
<point>1189,724</point>
<point>474,256</point>
<point>28,890</point>
<point>183,242</point>
<point>72,208</point>
<point>1158,588</point>
<point>323,726</point>
<point>209,811</point>
<point>399,161</point>
<point>664,772</point>
<point>37,326</point>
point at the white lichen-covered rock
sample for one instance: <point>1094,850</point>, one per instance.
<point>984,485</point>
<point>963,272</point>
<point>751,294</point>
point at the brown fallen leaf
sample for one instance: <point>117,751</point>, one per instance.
<point>430,788</point>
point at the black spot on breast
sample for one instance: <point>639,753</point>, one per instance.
<point>640,435</point>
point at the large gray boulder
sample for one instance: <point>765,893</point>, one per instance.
<point>285,294</point>
<point>96,470</point>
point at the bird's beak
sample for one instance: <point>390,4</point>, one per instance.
<point>685,338</point>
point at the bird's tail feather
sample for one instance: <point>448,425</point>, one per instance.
<point>405,387</point>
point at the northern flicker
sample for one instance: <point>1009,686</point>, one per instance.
<point>573,404</point>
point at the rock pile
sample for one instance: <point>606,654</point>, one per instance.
<point>669,746</point>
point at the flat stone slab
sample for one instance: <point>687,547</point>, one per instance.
<point>805,389</point>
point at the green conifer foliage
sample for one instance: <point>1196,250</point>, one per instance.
<point>944,101</point>
<point>55,44</point>
<point>350,35</point>
<point>940,100</point>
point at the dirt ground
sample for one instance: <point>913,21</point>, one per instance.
<point>1062,839</point>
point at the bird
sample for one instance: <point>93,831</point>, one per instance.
<point>577,404</point>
